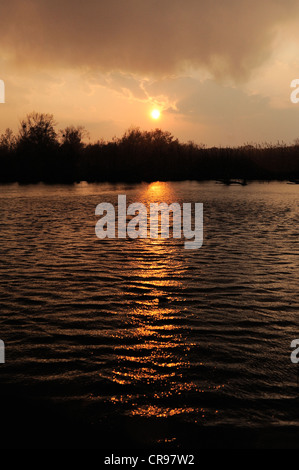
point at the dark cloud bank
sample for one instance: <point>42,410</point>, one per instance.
<point>153,37</point>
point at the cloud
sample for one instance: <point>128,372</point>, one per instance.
<point>149,37</point>
<point>212,101</point>
<point>129,85</point>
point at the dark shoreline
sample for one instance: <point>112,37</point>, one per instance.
<point>40,153</point>
<point>235,182</point>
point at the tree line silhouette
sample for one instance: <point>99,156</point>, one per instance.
<point>38,153</point>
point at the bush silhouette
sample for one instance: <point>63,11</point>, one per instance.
<point>39,154</point>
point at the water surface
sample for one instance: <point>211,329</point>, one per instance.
<point>145,328</point>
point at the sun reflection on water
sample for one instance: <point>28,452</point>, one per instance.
<point>154,359</point>
<point>158,192</point>
<point>157,357</point>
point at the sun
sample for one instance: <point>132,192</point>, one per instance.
<point>156,114</point>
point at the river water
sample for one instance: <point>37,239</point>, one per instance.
<point>145,328</point>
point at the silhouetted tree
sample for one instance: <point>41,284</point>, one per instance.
<point>72,137</point>
<point>71,152</point>
<point>36,148</point>
<point>38,130</point>
<point>8,141</point>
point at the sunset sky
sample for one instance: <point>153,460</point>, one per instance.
<point>219,71</point>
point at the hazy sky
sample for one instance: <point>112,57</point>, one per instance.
<point>219,70</point>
